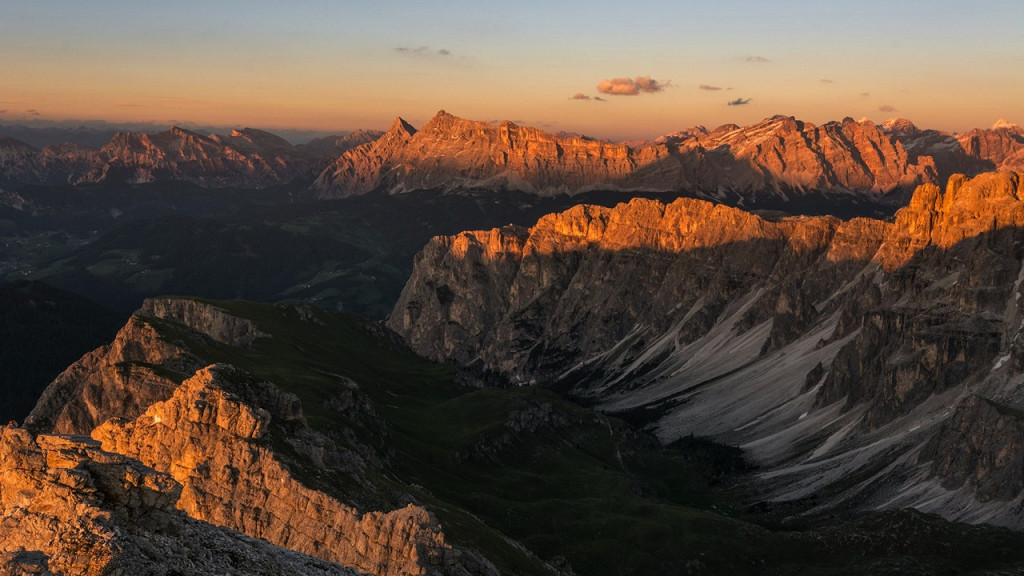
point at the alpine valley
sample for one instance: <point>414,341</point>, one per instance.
<point>477,348</point>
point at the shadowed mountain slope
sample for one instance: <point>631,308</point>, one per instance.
<point>842,356</point>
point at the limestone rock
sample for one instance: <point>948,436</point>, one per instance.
<point>138,368</point>
<point>211,436</point>
<point>775,159</point>
<point>121,379</point>
<point>205,319</point>
<point>827,349</point>
<point>981,445</point>
<point>69,508</point>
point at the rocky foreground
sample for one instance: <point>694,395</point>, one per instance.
<point>69,507</point>
<point>209,433</point>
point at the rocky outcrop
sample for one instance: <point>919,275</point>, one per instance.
<point>141,366</point>
<point>69,508</point>
<point>830,350</point>
<point>227,438</point>
<point>211,436</point>
<point>772,160</point>
<point>982,446</point>
<point>138,368</point>
<point>205,319</point>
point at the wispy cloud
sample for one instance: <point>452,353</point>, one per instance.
<point>708,87</point>
<point>826,81</point>
<point>423,52</point>
<point>757,59</point>
<point>887,108</point>
<point>739,102</point>
<point>865,94</point>
<point>33,112</point>
<point>631,86</point>
<point>582,96</point>
<point>4,111</point>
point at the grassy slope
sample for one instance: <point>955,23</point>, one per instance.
<point>564,481</point>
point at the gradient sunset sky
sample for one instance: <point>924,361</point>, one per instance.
<point>608,69</point>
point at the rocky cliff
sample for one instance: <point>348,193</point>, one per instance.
<point>69,508</point>
<point>1000,147</point>
<point>831,351</point>
<point>207,436</point>
<point>775,159</point>
<point>240,448</point>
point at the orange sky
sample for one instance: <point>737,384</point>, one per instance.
<point>333,66</point>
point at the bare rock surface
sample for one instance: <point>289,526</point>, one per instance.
<point>206,319</point>
<point>141,366</point>
<point>69,508</point>
<point>121,379</point>
<point>778,158</point>
<point>831,351</point>
<point>214,443</point>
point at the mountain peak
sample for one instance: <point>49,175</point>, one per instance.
<point>900,126</point>
<point>182,132</point>
<point>1004,123</point>
<point>400,126</point>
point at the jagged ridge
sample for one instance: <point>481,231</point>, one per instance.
<point>778,157</point>
<point>828,349</point>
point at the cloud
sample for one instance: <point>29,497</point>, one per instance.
<point>757,59</point>
<point>3,111</point>
<point>33,112</point>
<point>631,87</point>
<point>865,94</point>
<point>739,102</point>
<point>886,108</point>
<point>582,96</point>
<point>423,52</point>
<point>707,87</point>
<point>826,81</point>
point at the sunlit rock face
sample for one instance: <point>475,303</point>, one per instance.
<point>832,351</point>
<point>778,158</point>
<point>138,368</point>
<point>207,437</point>
<point>1000,147</point>
<point>68,507</point>
<point>217,434</point>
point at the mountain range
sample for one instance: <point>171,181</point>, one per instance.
<point>774,349</point>
<point>780,161</point>
<point>244,158</point>
<point>861,362</point>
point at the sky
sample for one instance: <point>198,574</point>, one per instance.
<point>612,70</point>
